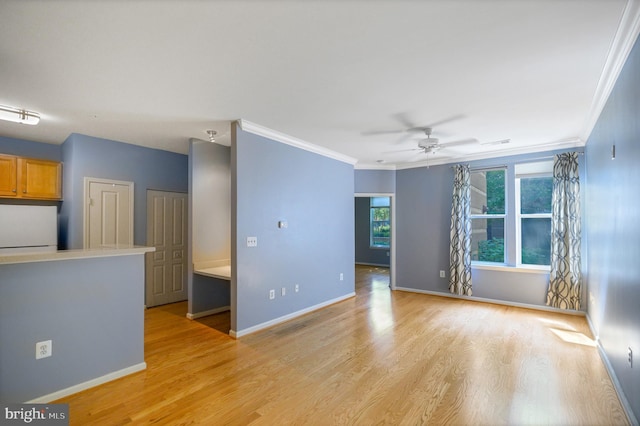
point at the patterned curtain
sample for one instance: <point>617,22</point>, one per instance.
<point>460,247</point>
<point>565,278</point>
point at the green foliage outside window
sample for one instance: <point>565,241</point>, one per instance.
<point>495,191</point>
<point>380,225</point>
<point>491,250</point>
<point>533,256</point>
<point>535,195</point>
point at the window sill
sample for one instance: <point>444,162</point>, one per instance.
<point>379,248</point>
<point>525,269</point>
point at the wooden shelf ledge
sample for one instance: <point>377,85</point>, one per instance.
<point>220,269</point>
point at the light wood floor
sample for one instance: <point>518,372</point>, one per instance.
<point>378,358</point>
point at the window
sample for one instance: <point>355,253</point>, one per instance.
<point>488,215</point>
<point>511,214</point>
<point>534,186</point>
<point>380,228</point>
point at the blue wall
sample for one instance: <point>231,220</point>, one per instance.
<point>423,216</point>
<point>613,228</point>
<point>30,149</point>
<point>91,309</point>
<point>423,219</point>
<point>87,156</point>
<point>274,182</point>
<point>375,181</point>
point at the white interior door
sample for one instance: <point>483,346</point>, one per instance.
<point>166,273</point>
<point>108,213</point>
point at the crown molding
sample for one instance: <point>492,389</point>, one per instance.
<point>550,146</point>
<point>623,42</point>
<point>259,130</point>
<point>365,166</point>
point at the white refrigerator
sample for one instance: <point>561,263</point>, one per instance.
<point>28,229</point>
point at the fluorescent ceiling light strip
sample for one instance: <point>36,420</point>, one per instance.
<point>18,115</point>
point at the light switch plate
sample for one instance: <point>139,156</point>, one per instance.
<point>252,241</point>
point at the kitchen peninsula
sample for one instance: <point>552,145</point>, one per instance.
<point>88,303</point>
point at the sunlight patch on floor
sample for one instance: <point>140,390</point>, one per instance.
<point>557,324</point>
<point>573,337</point>
<point>381,312</point>
<point>537,398</point>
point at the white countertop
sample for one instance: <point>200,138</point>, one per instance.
<point>8,259</point>
<point>222,272</point>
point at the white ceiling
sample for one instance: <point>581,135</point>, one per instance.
<point>338,74</point>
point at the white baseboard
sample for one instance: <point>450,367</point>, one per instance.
<point>209,312</point>
<point>236,334</point>
<point>614,379</point>
<point>381,265</point>
<point>493,301</point>
<point>88,384</point>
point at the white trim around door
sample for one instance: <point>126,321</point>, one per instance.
<point>392,249</point>
<point>87,204</point>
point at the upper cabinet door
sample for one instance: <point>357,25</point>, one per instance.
<point>40,179</point>
<point>8,176</point>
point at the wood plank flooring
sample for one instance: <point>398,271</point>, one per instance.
<point>383,357</point>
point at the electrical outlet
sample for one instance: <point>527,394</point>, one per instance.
<point>283,291</point>
<point>630,354</point>
<point>272,294</point>
<point>341,276</point>
<point>43,349</point>
<point>297,288</point>
<point>442,274</point>
<point>252,241</point>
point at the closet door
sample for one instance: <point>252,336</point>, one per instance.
<point>166,271</point>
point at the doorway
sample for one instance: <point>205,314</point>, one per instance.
<point>166,268</point>
<point>375,231</point>
<point>108,212</point>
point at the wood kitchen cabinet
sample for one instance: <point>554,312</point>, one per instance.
<point>8,176</point>
<point>29,178</point>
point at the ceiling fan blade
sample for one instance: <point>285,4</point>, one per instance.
<point>431,126</point>
<point>404,138</point>
<point>459,142</point>
<point>500,142</point>
<point>401,150</point>
<point>382,132</point>
<point>446,120</point>
<point>404,120</point>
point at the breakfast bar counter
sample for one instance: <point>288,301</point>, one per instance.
<point>49,256</point>
<point>86,305</point>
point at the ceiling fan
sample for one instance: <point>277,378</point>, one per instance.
<point>431,145</point>
<point>409,129</point>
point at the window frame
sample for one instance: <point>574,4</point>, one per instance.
<point>519,216</point>
<point>503,216</point>
<point>512,217</point>
<point>371,216</point>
